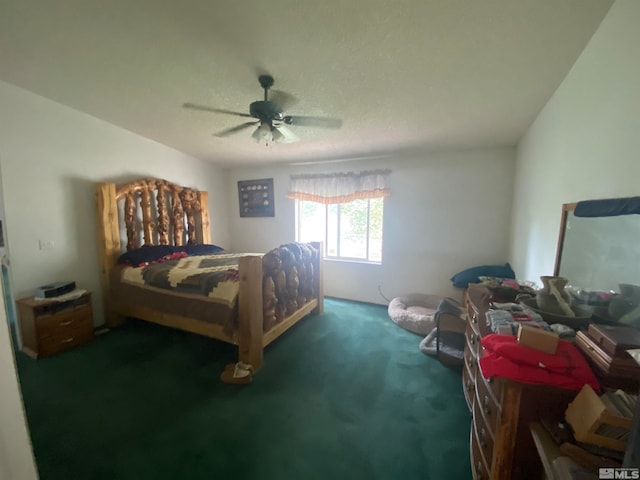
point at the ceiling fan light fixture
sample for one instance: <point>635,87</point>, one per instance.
<point>262,133</point>
<point>282,134</point>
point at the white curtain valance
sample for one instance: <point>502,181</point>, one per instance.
<point>330,188</point>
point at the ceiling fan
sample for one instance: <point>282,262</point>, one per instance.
<point>272,123</point>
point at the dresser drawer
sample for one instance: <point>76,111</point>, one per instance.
<point>495,386</point>
<point>479,466</point>
<point>72,337</point>
<point>474,318</point>
<point>473,339</point>
<point>470,362</point>
<point>482,432</point>
<point>468,387</point>
<point>63,321</point>
<point>487,405</point>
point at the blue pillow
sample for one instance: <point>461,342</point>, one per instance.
<point>201,249</point>
<point>471,275</point>
<point>154,253</point>
<point>146,254</point>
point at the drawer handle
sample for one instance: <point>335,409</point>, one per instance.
<point>64,324</point>
<point>469,385</point>
<point>483,438</point>
<point>485,406</point>
<point>474,317</point>
<point>479,468</point>
<point>490,380</point>
<point>67,340</point>
<point>473,339</point>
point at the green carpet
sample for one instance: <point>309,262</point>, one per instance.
<point>343,395</point>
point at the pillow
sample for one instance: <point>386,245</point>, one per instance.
<point>472,275</point>
<point>202,249</point>
<point>157,253</point>
<point>146,254</point>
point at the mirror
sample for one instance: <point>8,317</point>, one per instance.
<point>601,254</point>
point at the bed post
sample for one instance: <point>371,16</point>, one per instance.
<point>108,243</point>
<point>203,234</point>
<point>319,277</point>
<point>250,310</point>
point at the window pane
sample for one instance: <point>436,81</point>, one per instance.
<point>311,222</point>
<point>375,229</point>
<point>353,229</point>
<point>332,231</point>
<point>349,230</point>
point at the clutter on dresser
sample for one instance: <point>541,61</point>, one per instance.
<point>605,420</point>
<point>506,318</point>
<point>606,349</point>
<point>625,307</point>
<point>555,304</point>
<point>596,432</point>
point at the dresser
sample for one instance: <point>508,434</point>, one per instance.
<point>49,327</point>
<point>501,445</point>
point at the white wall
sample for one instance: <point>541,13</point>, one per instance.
<point>16,456</point>
<point>51,155</point>
<point>446,212</point>
<point>585,144</point>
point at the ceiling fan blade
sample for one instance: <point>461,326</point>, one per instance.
<point>237,128</point>
<point>204,108</point>
<point>304,121</point>
<point>282,99</point>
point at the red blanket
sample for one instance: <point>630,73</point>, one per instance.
<point>504,357</point>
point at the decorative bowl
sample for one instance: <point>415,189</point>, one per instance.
<point>579,322</point>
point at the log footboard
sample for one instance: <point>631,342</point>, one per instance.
<point>276,291</point>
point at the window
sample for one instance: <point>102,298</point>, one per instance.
<point>351,231</point>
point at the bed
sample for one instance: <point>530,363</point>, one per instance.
<point>273,291</point>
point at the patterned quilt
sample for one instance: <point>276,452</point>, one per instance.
<point>213,276</point>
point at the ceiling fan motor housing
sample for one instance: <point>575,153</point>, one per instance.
<point>265,111</point>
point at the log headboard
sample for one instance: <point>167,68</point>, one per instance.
<point>153,212</point>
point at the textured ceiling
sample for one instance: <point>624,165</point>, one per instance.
<point>402,75</point>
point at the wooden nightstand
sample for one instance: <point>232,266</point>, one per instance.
<point>49,327</point>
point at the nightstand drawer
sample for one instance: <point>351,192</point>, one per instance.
<point>63,321</point>
<point>72,337</point>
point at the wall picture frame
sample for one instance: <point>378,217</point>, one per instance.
<point>255,198</point>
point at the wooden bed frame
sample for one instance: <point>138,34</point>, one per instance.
<point>175,215</point>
